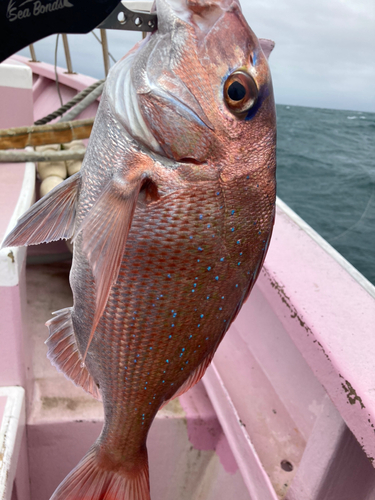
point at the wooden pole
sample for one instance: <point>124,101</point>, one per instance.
<point>37,135</point>
<point>33,156</point>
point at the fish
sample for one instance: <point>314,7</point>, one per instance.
<point>171,217</point>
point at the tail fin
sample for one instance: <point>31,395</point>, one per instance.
<point>93,479</point>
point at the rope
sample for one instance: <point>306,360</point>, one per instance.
<point>78,98</point>
<point>85,103</point>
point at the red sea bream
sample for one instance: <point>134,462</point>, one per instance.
<point>171,216</point>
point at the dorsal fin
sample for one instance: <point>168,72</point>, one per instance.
<point>267,46</point>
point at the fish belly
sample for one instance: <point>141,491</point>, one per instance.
<point>190,260</point>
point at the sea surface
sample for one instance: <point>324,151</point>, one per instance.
<point>326,157</point>
<point>326,173</point>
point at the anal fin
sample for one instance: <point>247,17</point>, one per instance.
<point>50,219</point>
<point>64,354</point>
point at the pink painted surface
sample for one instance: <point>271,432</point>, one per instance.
<point>204,429</point>
<point>253,473</point>
<point>331,320</point>
<point>11,178</point>
<point>333,465</point>
<point>3,402</point>
<point>14,351</point>
<point>225,454</point>
<point>75,81</point>
<point>177,469</point>
<point>16,107</point>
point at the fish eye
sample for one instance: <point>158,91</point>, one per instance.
<point>240,93</point>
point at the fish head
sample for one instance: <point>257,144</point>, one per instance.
<point>202,83</point>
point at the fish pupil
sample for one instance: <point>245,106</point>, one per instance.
<point>236,91</point>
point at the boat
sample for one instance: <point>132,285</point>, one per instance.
<point>285,411</point>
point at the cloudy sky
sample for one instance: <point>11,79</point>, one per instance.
<point>324,54</point>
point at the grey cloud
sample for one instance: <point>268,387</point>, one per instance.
<point>324,54</point>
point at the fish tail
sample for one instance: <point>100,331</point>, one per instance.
<point>96,478</point>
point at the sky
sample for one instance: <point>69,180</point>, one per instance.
<point>324,55</point>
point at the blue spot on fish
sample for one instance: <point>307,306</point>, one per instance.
<point>232,212</point>
<point>167,360</point>
<point>222,259</point>
<point>208,226</point>
<point>232,229</point>
<point>217,278</point>
<point>200,249</point>
<point>202,315</point>
<point>209,268</point>
<point>201,216</point>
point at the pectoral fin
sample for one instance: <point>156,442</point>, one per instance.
<point>50,219</point>
<point>105,230</point>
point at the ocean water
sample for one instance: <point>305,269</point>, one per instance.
<point>326,173</point>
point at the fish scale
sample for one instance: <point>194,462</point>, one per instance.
<point>171,214</point>
<point>155,296</point>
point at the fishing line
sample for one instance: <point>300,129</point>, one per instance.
<point>98,39</point>
<point>358,221</point>
<point>56,75</point>
<point>363,214</point>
